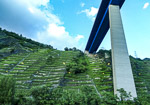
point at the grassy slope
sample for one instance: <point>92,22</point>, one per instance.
<point>141,71</point>
<point>34,69</point>
<point>99,76</point>
<point>140,68</point>
<point>34,64</point>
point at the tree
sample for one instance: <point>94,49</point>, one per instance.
<point>79,64</point>
<point>66,49</point>
<point>109,99</point>
<point>125,97</point>
<point>7,90</point>
<point>74,48</point>
<point>42,95</point>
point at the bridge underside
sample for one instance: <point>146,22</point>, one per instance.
<point>101,25</point>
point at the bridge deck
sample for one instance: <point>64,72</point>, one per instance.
<point>101,25</point>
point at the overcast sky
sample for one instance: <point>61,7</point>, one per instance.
<point>68,23</point>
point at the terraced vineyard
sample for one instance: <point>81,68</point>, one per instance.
<point>47,67</point>
<point>44,67</point>
<point>141,73</point>
<point>99,77</point>
<point>42,78</point>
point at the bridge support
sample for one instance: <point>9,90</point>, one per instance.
<point>122,71</point>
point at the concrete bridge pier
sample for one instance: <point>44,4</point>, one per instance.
<point>122,71</point>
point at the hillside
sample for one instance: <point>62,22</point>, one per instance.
<point>140,69</point>
<point>12,43</point>
<point>32,73</point>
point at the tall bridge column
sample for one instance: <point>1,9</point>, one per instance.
<point>122,71</point>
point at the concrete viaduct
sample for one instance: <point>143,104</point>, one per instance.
<point>109,17</point>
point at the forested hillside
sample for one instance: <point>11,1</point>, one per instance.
<point>12,43</point>
<point>32,73</point>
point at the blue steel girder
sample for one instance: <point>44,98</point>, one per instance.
<point>101,25</point>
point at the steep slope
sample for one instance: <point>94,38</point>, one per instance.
<point>141,72</point>
<point>43,67</point>
<point>12,43</point>
<point>101,74</point>
<point>140,68</point>
<point>98,77</point>
<point>37,66</point>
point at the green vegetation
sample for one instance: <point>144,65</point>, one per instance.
<point>32,73</point>
<point>71,49</point>
<point>7,90</point>
<point>79,64</point>
<point>141,72</point>
<point>101,73</point>
<point>43,95</point>
<point>12,43</point>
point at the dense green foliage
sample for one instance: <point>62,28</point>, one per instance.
<point>7,90</point>
<point>43,95</point>
<point>55,96</point>
<point>79,64</point>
